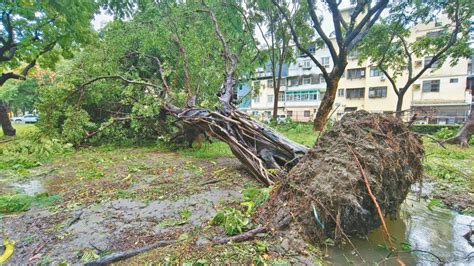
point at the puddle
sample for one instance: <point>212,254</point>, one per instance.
<point>437,231</point>
<point>29,188</point>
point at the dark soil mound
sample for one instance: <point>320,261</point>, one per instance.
<point>325,195</point>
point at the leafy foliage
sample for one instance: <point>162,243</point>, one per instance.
<point>22,202</point>
<point>156,47</point>
<point>233,220</point>
<point>32,151</point>
<point>445,133</point>
<point>29,27</point>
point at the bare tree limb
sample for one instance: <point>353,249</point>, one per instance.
<point>120,78</point>
<point>298,44</point>
<point>22,76</point>
<point>322,34</point>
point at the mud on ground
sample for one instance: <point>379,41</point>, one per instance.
<point>127,198</point>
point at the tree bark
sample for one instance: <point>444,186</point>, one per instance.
<point>464,135</point>
<point>265,153</point>
<point>327,102</point>
<point>7,127</point>
<point>398,110</point>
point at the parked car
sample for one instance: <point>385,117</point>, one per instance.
<point>280,119</point>
<point>27,119</point>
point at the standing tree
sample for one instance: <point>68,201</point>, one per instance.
<point>276,39</point>
<point>349,28</point>
<point>39,31</point>
<point>388,45</point>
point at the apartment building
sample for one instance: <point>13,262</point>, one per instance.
<point>441,93</point>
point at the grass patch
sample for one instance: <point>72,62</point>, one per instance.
<point>299,132</point>
<point>22,202</point>
<point>22,131</point>
<point>208,151</point>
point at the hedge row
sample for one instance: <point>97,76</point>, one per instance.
<point>432,128</point>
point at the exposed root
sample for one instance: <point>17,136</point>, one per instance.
<point>325,193</point>
<point>242,237</point>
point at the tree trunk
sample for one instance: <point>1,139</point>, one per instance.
<point>398,111</point>
<point>464,135</point>
<point>327,102</point>
<point>7,127</point>
<point>267,155</point>
<point>276,92</point>
<point>325,194</point>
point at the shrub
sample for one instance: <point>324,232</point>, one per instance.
<point>432,129</point>
<point>445,133</point>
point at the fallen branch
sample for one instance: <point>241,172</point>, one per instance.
<point>128,254</point>
<point>242,237</point>
<point>75,219</point>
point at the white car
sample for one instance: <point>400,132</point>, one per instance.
<point>30,118</point>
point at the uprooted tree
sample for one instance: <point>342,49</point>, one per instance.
<point>355,174</point>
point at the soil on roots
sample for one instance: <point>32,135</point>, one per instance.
<point>325,195</point>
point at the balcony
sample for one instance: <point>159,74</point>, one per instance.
<point>438,102</point>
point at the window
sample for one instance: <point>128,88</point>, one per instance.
<point>311,49</point>
<point>354,54</point>
<point>281,96</point>
<point>256,99</point>
<point>256,84</point>
<point>340,92</point>
<point>455,80</point>
<point>350,109</point>
<point>306,80</point>
<point>325,61</point>
<point>306,64</point>
<point>428,60</point>
<point>307,113</point>
<point>302,96</point>
<point>321,79</point>
<point>355,93</point>
<point>431,85</point>
<point>377,92</point>
<point>270,98</point>
<point>356,73</point>
<point>293,82</point>
<point>289,113</point>
<point>270,83</point>
<point>434,34</point>
<point>375,72</point>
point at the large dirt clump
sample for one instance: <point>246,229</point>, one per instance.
<point>325,195</point>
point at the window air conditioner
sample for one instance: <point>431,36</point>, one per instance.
<point>382,78</point>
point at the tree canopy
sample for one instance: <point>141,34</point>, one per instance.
<point>392,47</point>
<point>41,31</point>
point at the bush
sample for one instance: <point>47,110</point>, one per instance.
<point>445,133</point>
<point>432,129</point>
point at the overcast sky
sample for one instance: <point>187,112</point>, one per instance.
<point>100,20</point>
